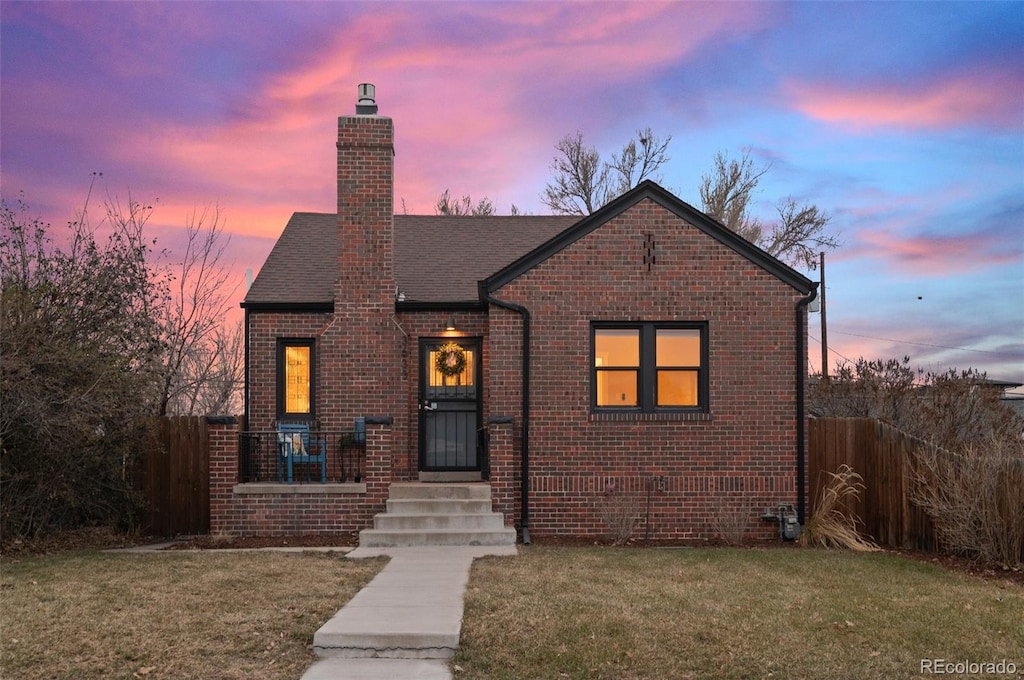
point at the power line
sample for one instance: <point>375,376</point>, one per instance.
<point>831,349</point>
<point>919,344</point>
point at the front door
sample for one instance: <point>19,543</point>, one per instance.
<point>449,406</point>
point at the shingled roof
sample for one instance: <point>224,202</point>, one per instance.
<point>438,258</point>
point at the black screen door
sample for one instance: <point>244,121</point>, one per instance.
<point>449,406</point>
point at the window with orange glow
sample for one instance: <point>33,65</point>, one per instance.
<point>677,352</point>
<point>296,379</point>
<point>464,379</point>
<point>295,375</point>
<point>617,366</point>
<point>650,366</point>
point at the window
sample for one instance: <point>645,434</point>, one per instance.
<point>439,379</point>
<point>650,367</point>
<point>295,379</point>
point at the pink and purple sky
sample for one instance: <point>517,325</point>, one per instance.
<point>904,121</point>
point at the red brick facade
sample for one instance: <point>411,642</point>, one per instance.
<point>644,262</point>
<point>741,454</point>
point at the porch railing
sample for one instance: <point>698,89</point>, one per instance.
<point>261,459</point>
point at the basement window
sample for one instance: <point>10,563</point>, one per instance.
<point>649,367</point>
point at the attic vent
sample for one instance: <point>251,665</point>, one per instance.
<point>649,257</point>
<point>366,105</point>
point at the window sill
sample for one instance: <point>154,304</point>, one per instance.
<point>659,417</point>
<point>298,489</point>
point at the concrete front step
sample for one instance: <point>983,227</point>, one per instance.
<point>437,521</point>
<point>403,490</point>
<point>377,538</point>
<point>450,514</point>
<point>443,506</point>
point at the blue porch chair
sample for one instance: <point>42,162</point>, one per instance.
<point>294,445</point>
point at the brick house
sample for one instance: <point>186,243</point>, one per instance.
<point>643,353</point>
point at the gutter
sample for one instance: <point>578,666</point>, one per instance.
<point>801,378</point>
<point>524,521</point>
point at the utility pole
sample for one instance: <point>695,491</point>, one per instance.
<point>824,331</point>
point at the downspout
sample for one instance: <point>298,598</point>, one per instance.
<point>245,369</point>
<point>801,378</point>
<point>525,459</point>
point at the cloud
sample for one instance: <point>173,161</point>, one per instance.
<point>932,344</point>
<point>539,69</point>
<point>931,254</point>
<point>985,97</point>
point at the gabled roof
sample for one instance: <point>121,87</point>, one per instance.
<point>438,258</point>
<point>443,259</point>
<point>648,190</point>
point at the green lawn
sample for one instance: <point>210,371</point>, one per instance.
<point>729,613</point>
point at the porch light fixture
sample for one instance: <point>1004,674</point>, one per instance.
<point>450,324</point>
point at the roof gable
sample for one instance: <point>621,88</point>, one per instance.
<point>649,190</point>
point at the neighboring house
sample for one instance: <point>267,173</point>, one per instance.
<point>644,354</point>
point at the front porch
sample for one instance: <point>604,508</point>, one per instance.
<point>250,494</point>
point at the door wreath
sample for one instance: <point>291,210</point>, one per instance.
<point>451,359</point>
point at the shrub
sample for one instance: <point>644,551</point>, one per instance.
<point>974,499</point>
<point>729,520</point>
<point>832,523</point>
<point>620,511</point>
<point>80,348</point>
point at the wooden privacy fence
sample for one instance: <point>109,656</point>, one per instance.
<point>173,477</point>
<point>881,455</point>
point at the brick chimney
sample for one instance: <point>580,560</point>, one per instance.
<point>366,150</point>
<point>362,350</point>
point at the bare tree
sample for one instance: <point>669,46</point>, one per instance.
<point>577,185</point>
<point>796,237</point>
<point>799,235</point>
<point>581,182</point>
<point>463,206</point>
<point>210,376</point>
<point>639,159</point>
<point>202,362</point>
<point>726,193</point>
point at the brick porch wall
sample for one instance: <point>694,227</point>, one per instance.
<point>295,509</point>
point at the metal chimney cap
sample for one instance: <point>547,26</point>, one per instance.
<point>367,102</point>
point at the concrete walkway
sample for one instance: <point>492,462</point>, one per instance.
<point>405,624</point>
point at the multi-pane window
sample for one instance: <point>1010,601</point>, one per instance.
<point>295,378</point>
<point>650,366</point>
